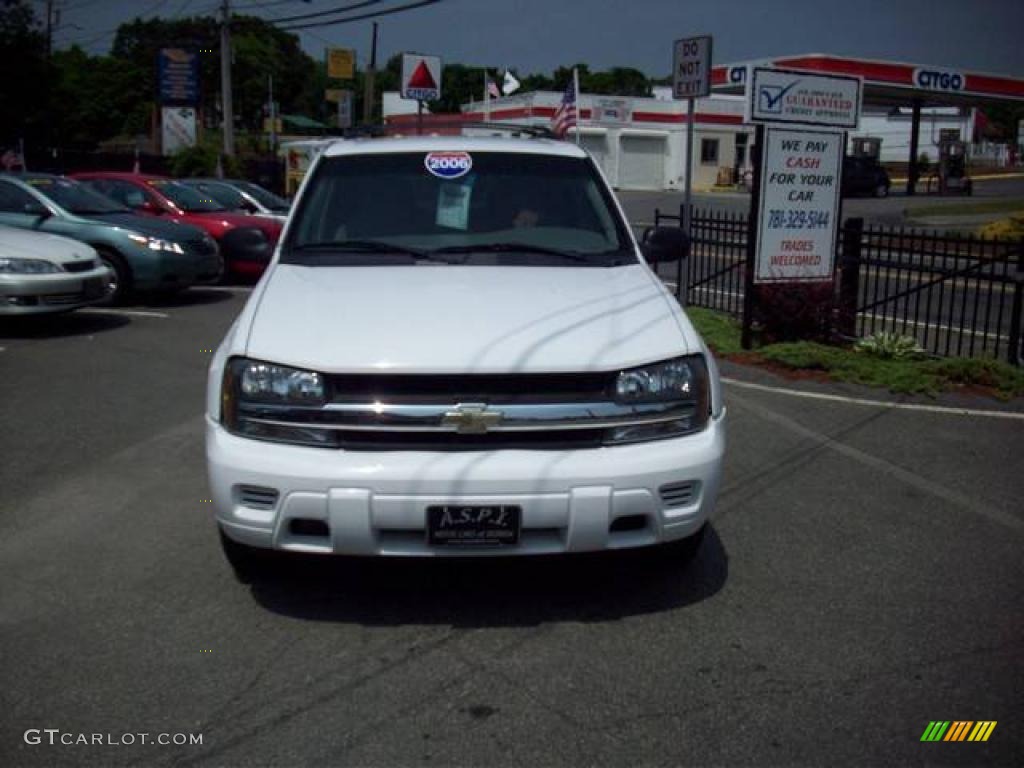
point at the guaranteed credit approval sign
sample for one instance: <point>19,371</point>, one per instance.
<point>799,206</point>
<point>789,96</point>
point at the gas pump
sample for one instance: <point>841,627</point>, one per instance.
<point>867,147</point>
<point>953,178</point>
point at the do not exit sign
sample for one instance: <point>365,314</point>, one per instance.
<point>691,67</point>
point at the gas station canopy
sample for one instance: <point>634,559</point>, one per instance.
<point>888,83</point>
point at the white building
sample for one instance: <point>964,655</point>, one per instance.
<point>639,142</point>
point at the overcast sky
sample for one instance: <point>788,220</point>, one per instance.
<point>539,35</point>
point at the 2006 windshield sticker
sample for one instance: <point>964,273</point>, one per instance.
<point>448,165</point>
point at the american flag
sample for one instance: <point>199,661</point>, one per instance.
<point>492,89</point>
<point>565,116</point>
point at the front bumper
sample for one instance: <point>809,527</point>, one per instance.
<point>374,503</point>
<point>57,292</point>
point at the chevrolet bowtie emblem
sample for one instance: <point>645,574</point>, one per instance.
<point>471,418</point>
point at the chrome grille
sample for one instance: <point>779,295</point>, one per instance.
<point>678,494</point>
<point>58,299</point>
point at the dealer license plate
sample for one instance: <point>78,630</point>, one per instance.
<point>473,526</point>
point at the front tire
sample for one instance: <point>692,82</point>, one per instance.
<point>248,563</point>
<point>119,285</point>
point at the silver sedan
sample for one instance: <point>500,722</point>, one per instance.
<point>48,273</point>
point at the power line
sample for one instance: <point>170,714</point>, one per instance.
<point>318,14</point>
<point>373,15</point>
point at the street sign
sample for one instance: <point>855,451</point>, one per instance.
<point>421,77</point>
<point>178,128</point>
<point>345,109</point>
<point>799,201</point>
<point>341,63</point>
<point>788,96</point>
<point>178,75</point>
<point>611,111</point>
<point>691,67</point>
<point>333,95</point>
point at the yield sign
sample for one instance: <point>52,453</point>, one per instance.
<point>421,76</point>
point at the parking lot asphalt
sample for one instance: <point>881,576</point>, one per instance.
<point>862,577</point>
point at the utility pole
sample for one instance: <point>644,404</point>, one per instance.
<point>272,112</point>
<point>368,89</point>
<point>227,107</point>
<point>49,28</point>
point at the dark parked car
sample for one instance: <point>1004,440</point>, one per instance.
<point>864,176</point>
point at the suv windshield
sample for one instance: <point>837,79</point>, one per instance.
<point>507,209</point>
<point>75,197</point>
<point>190,200</point>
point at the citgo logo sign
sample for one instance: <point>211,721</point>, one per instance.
<point>938,80</point>
<point>448,165</point>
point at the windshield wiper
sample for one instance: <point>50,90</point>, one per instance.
<point>518,248</point>
<point>368,246</point>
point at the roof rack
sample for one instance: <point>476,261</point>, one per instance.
<point>517,130</point>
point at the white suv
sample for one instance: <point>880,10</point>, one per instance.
<point>459,349</point>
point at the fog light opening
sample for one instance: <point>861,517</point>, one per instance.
<point>301,526</point>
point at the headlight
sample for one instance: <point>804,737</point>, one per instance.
<point>156,244</point>
<point>27,266</point>
<point>277,384</point>
<point>254,394</point>
<point>682,379</point>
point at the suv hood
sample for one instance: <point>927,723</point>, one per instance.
<point>148,225</point>
<point>469,319</point>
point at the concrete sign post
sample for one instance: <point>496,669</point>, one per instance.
<point>799,205</point>
<point>691,79</point>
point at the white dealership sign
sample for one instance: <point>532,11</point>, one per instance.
<point>787,96</point>
<point>179,128</point>
<point>800,180</point>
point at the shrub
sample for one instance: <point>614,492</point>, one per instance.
<point>890,346</point>
<point>201,160</point>
<point>1011,228</point>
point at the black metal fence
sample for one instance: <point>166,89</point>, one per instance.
<point>959,296</point>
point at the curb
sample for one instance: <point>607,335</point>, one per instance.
<point>885,404</point>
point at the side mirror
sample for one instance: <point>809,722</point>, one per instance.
<point>38,210</point>
<point>665,244</point>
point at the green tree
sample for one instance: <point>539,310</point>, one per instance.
<point>260,50</point>
<point>24,85</point>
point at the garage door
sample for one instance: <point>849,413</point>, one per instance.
<point>642,162</point>
<point>598,147</point>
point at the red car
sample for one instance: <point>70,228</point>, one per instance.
<point>246,242</point>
